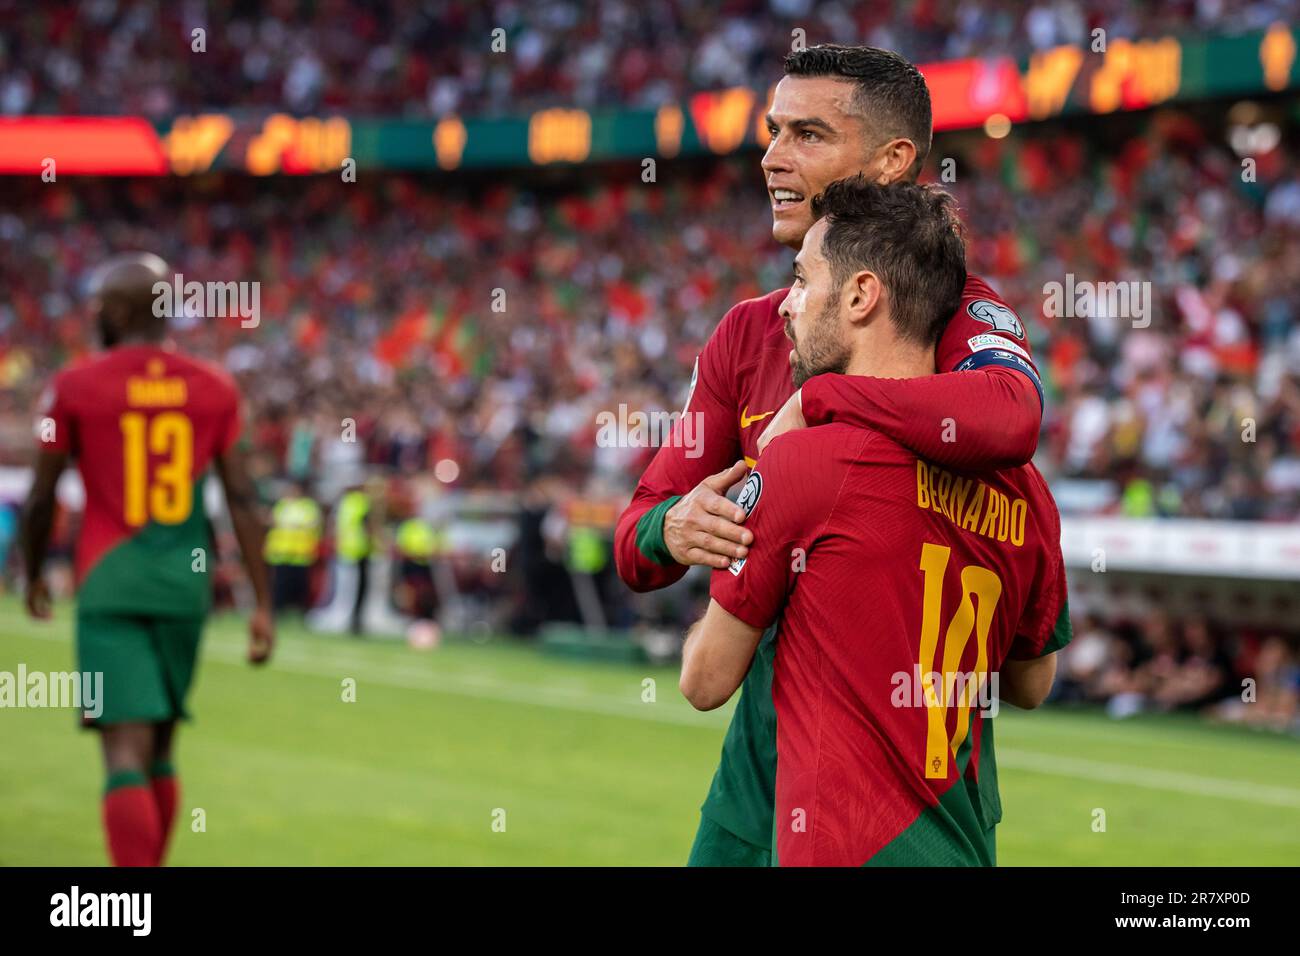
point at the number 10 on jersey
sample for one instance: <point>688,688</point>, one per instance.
<point>986,588</point>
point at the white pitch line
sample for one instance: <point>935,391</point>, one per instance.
<point>1075,768</point>
<point>313,663</point>
<point>477,687</point>
<point>480,688</point>
<point>1148,778</point>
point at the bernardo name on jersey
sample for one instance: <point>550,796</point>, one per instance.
<point>950,495</point>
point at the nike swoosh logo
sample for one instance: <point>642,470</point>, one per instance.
<point>746,420</point>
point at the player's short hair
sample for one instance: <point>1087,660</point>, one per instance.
<point>891,92</point>
<point>908,235</point>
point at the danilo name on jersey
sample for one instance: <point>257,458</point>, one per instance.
<point>144,392</point>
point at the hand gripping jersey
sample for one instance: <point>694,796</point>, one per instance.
<point>897,587</point>
<point>144,424</point>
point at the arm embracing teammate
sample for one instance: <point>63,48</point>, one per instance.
<point>838,112</point>
<point>898,588</point>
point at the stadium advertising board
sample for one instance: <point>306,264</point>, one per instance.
<point>1125,75</point>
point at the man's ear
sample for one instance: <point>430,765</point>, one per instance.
<point>863,293</point>
<point>896,159</point>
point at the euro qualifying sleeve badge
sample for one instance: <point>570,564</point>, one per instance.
<point>748,499</point>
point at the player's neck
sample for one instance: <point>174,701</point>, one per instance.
<point>137,340</point>
<point>892,359</point>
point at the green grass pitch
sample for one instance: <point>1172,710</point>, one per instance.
<point>586,772</point>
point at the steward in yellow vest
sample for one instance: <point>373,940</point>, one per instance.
<point>418,543</point>
<point>353,543</point>
<point>351,526</point>
<point>292,546</point>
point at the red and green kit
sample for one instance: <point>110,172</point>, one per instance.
<point>986,417</point>
<point>144,424</point>
<point>898,588</point>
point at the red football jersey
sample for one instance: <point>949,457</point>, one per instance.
<point>144,423</point>
<point>742,378</point>
<point>883,568</point>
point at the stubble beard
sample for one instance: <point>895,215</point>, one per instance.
<point>821,352</point>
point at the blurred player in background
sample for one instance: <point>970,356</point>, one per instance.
<point>144,424</point>
<point>838,112</point>
<point>876,565</point>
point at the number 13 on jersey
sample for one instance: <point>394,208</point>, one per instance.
<point>164,493</point>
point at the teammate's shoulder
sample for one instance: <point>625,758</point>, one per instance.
<point>80,370</point>
<point>757,312</point>
<point>797,467</point>
<point>977,287</point>
<point>812,450</point>
<point>1033,481</point>
<point>981,302</point>
<point>747,328</point>
<point>815,467</point>
<point>768,303</point>
<point>61,387</point>
<point>1027,482</point>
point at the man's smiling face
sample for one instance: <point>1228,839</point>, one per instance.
<point>818,136</point>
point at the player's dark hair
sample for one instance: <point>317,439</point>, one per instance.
<point>891,92</point>
<point>909,236</point>
<point>124,285</point>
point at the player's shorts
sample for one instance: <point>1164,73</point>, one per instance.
<point>716,846</point>
<point>147,662</point>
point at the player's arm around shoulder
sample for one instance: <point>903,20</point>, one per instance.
<point>786,500</point>
<point>983,409</point>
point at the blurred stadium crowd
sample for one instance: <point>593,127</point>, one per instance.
<point>134,56</point>
<point>1155,664</point>
<point>609,290</point>
<point>612,286</point>
<point>468,330</point>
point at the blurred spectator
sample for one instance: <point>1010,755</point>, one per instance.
<point>1159,664</point>
<point>495,56</point>
<point>1274,700</point>
<point>378,349</point>
<point>386,352</point>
